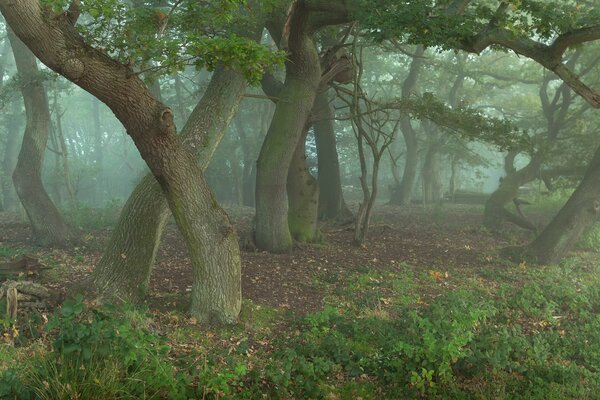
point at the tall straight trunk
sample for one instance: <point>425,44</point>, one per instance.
<point>181,109</point>
<point>100,185</point>
<point>303,197</point>
<point>206,229</point>
<point>331,198</point>
<point>48,226</point>
<point>432,185</point>
<point>126,264</point>
<point>453,183</point>
<point>577,215</point>
<point>303,74</point>
<point>11,152</point>
<point>64,152</point>
<point>402,195</point>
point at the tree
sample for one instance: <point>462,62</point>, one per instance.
<point>210,238</point>
<point>47,224</point>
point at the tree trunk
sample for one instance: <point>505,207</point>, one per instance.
<point>125,267</point>
<point>495,212</point>
<point>48,226</point>
<point>11,152</point>
<point>100,186</point>
<point>207,231</point>
<point>402,195</point>
<point>303,197</point>
<point>577,215</point>
<point>432,185</point>
<point>331,198</point>
<point>303,73</point>
<point>453,183</point>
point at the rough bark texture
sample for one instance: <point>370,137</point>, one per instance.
<point>303,197</point>
<point>303,73</point>
<point>578,214</point>
<point>47,225</point>
<point>125,267</point>
<point>208,233</point>
<point>331,199</point>
<point>403,194</point>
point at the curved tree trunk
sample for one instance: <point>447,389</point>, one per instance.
<point>11,152</point>
<point>331,198</point>
<point>579,213</point>
<point>403,193</point>
<point>495,212</point>
<point>208,233</point>
<point>303,197</point>
<point>303,73</point>
<point>48,226</point>
<point>125,267</point>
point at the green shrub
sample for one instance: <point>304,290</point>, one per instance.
<point>97,352</point>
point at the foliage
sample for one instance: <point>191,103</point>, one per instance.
<point>164,38</point>
<point>515,332</point>
<point>96,352</point>
<point>429,23</point>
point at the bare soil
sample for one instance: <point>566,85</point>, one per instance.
<point>428,239</point>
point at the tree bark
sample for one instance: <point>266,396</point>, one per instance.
<point>126,264</point>
<point>303,197</point>
<point>577,215</point>
<point>47,225</point>
<point>303,74</point>
<point>211,240</point>
<point>331,198</point>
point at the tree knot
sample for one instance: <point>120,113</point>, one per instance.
<point>73,69</point>
<point>167,123</point>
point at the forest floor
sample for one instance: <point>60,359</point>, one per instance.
<point>435,238</point>
<point>426,308</point>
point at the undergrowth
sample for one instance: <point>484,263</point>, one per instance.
<point>519,332</point>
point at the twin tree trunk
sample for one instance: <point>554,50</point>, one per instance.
<point>125,267</point>
<point>48,226</point>
<point>303,74</point>
<point>207,231</point>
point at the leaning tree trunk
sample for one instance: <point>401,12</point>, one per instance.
<point>303,73</point>
<point>577,215</point>
<point>126,264</point>
<point>207,231</point>
<point>48,226</point>
<point>331,198</point>
<point>303,197</point>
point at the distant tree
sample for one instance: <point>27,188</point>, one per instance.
<point>47,224</point>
